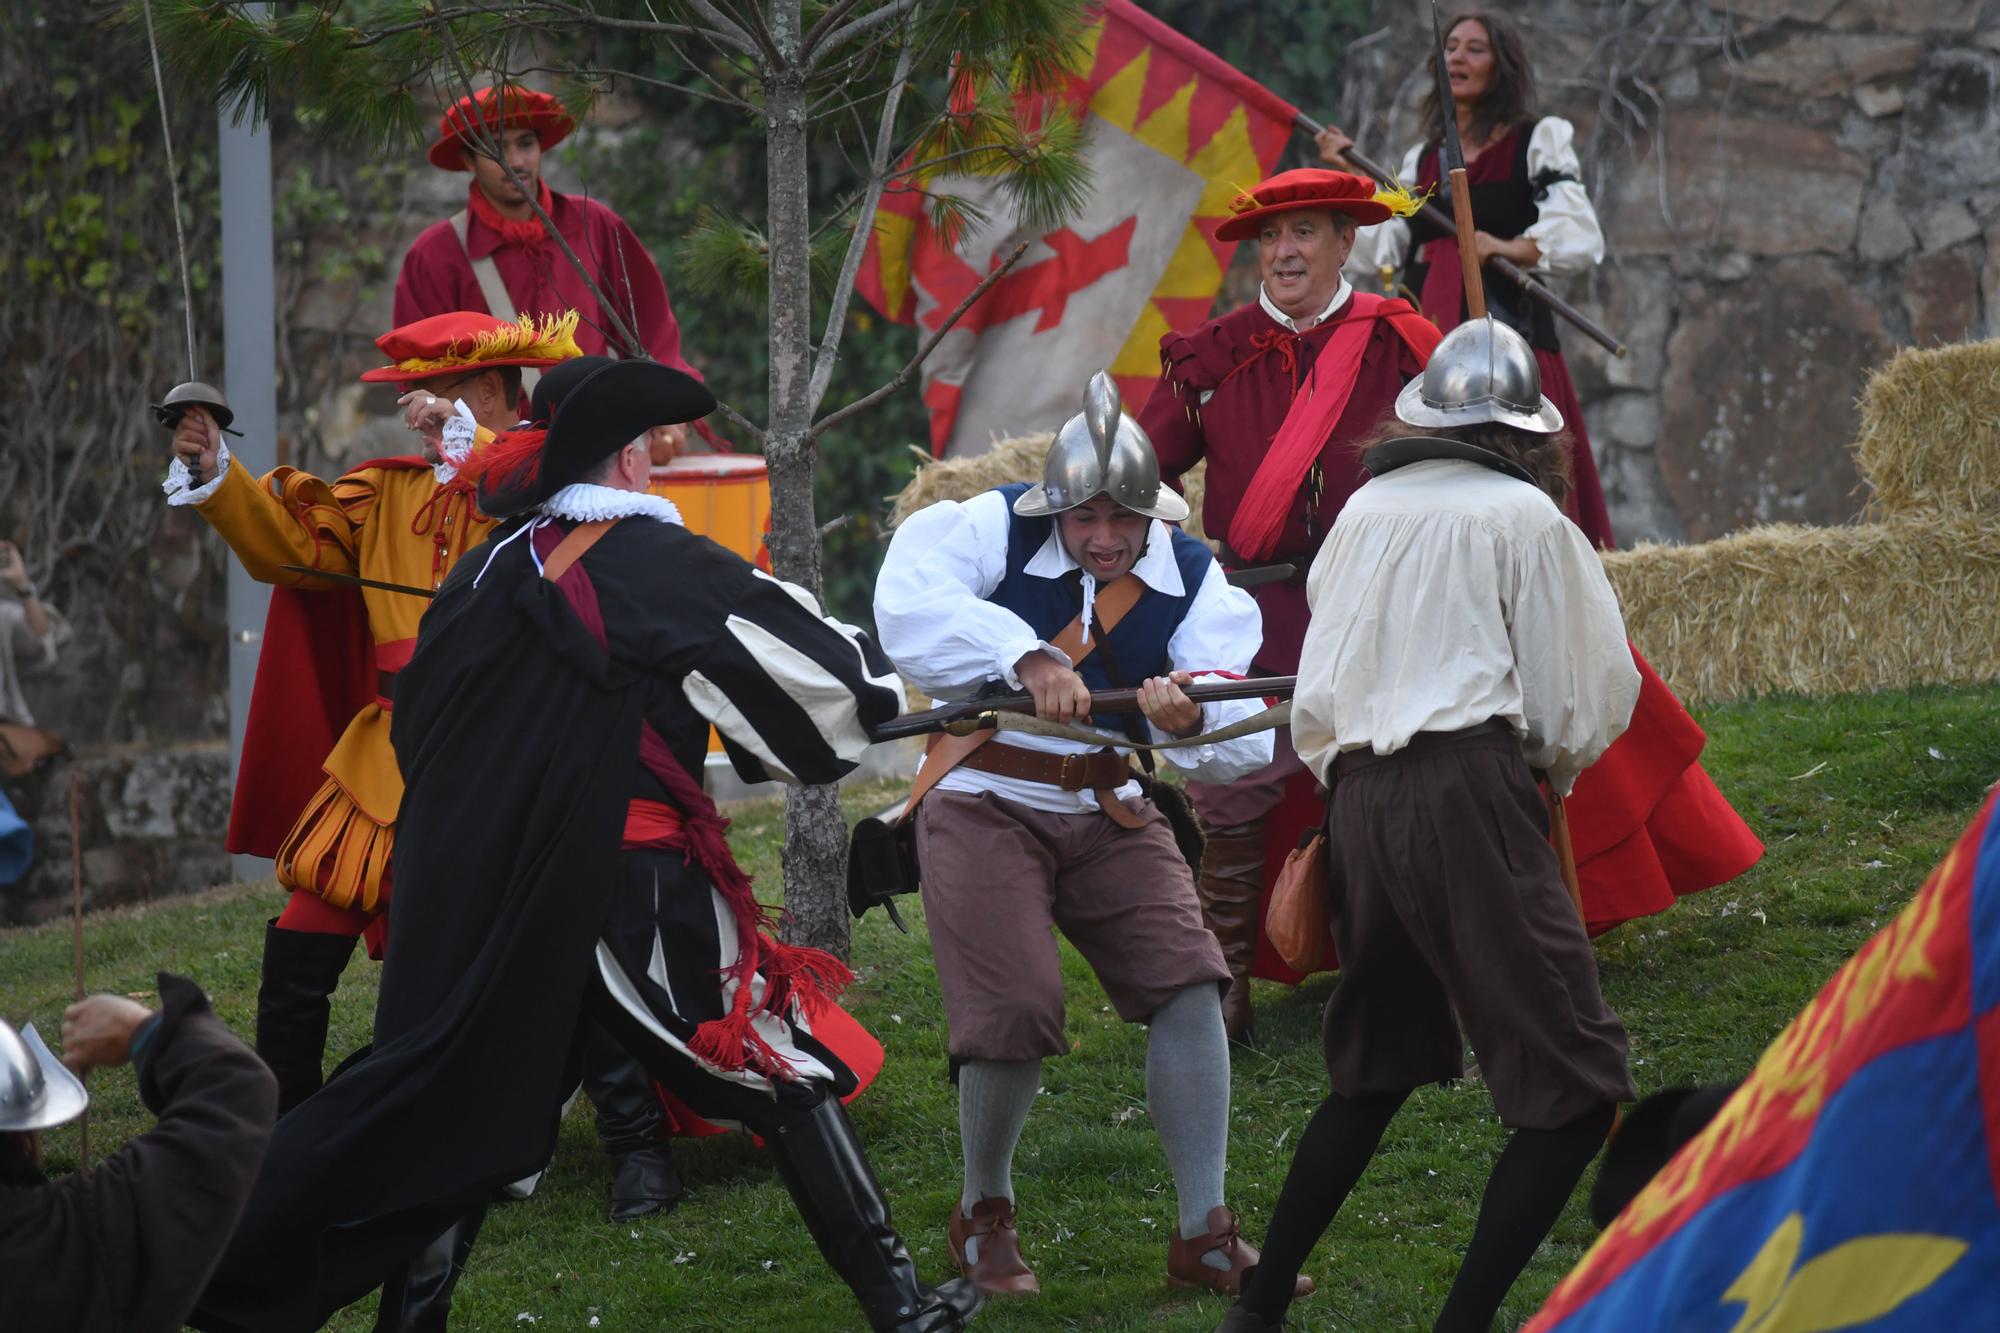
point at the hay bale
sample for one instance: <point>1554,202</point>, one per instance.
<point>1913,600</point>
<point>1930,431</point>
<point>1017,458</point>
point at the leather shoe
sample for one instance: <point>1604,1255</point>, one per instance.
<point>644,1182</point>
<point>999,1270</point>
<point>1186,1269</point>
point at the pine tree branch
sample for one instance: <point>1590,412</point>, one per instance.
<point>902,377</point>
<point>889,13</point>
<point>757,29</point>
<point>735,35</point>
<point>809,48</point>
<point>723,98</point>
<point>724,33</point>
<point>755,431</point>
<point>864,228</point>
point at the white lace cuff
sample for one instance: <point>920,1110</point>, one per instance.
<point>180,487</point>
<point>455,441</point>
<point>587,502</point>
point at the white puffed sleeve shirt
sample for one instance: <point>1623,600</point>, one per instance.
<point>948,640</point>
<point>1567,232</point>
<point>1447,594</point>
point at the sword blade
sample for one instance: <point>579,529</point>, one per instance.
<point>356,581</point>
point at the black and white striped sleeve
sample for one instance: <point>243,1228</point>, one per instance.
<point>794,694</point>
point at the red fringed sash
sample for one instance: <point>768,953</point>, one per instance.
<point>793,975</point>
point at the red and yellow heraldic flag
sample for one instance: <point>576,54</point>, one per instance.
<point>1853,1181</point>
<point>1173,133</point>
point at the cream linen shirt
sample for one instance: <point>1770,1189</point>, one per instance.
<point>1449,593</point>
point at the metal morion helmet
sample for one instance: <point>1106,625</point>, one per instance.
<point>1481,371</point>
<point>1101,451</point>
<point>36,1092</point>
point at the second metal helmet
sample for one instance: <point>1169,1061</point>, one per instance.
<point>1481,371</point>
<point>36,1092</point>
<point>1101,451</point>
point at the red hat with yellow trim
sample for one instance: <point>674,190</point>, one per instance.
<point>497,109</point>
<point>1312,188</point>
<point>465,341</point>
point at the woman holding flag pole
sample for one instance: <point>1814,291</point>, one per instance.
<point>1528,206</point>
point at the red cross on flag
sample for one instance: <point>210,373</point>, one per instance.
<point>1172,134</point>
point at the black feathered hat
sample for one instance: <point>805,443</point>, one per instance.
<point>583,411</point>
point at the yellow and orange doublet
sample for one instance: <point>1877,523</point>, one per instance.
<point>396,524</point>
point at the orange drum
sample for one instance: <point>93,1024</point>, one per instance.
<point>727,499</point>
<point>724,497</point>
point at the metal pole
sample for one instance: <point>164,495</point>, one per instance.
<point>249,332</point>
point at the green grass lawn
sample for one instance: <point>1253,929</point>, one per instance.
<point>1857,798</point>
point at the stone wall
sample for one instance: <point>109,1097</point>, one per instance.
<point>1791,189</point>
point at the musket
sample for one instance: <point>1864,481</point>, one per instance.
<point>1507,268</point>
<point>981,714</point>
<point>1256,576</point>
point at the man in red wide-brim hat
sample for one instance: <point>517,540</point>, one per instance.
<point>496,255</point>
<point>1271,395</point>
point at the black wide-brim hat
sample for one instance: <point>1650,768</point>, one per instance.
<point>591,407</point>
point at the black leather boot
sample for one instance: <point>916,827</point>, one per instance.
<point>418,1298</point>
<point>643,1178</point>
<point>826,1170</point>
<point>301,970</point>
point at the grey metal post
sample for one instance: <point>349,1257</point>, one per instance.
<point>249,331</point>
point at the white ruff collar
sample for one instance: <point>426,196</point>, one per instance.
<point>586,502</point>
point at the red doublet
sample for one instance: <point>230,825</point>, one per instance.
<point>437,277</point>
<point>1252,365</point>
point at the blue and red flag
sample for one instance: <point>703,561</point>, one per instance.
<point>1853,1181</point>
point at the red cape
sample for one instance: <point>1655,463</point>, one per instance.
<point>1647,823</point>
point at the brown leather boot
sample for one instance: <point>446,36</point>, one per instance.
<point>999,1270</point>
<point>1232,887</point>
<point>1186,1269</point>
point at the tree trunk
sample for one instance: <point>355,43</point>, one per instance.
<point>815,855</point>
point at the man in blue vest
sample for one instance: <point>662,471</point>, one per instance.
<point>1061,589</point>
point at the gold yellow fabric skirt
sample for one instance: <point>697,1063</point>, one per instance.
<point>337,852</point>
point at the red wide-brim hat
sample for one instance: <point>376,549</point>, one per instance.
<point>1300,190</point>
<point>463,341</point>
<point>522,109</point>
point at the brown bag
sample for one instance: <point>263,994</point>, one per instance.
<point>1296,921</point>
<point>25,749</point>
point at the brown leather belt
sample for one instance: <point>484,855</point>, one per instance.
<point>1076,771</point>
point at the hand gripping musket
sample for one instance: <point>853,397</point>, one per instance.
<point>1000,713</point>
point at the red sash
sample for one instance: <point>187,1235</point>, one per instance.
<point>1316,408</point>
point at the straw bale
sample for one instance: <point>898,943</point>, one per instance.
<point>1913,600</point>
<point>1930,431</point>
<point>1017,458</point>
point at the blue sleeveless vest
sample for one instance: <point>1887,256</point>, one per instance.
<point>1138,646</point>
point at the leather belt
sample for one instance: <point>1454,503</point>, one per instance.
<point>1101,772</point>
<point>1076,771</point>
